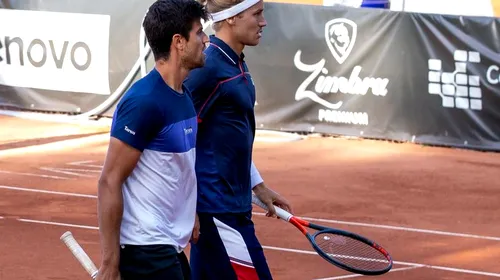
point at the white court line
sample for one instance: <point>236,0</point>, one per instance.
<point>305,218</point>
<point>35,175</point>
<point>452,269</point>
<point>360,275</point>
<point>57,224</point>
<point>397,262</point>
<point>80,162</point>
<point>59,170</point>
<point>77,170</point>
<point>56,146</point>
<point>85,163</point>
<point>497,275</point>
<point>58,118</point>
<point>47,192</point>
<point>494,238</point>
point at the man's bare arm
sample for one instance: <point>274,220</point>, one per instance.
<point>120,161</point>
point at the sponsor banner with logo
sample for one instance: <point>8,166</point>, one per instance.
<point>329,70</point>
<point>361,72</point>
<point>458,87</point>
<point>378,73</point>
<point>69,56</point>
<point>36,53</point>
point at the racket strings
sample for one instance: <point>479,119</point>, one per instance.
<point>351,252</point>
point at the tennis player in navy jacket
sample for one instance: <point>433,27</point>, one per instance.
<point>224,96</point>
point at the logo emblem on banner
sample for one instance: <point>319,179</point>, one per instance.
<point>340,35</point>
<point>329,90</point>
<point>457,89</point>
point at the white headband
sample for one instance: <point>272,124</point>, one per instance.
<point>234,10</point>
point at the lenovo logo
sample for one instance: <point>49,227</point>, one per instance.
<point>54,51</point>
<point>39,53</point>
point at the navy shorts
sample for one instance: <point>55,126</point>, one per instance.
<point>153,262</point>
<point>228,249</point>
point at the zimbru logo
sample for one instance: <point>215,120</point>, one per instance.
<point>340,36</point>
<point>38,52</point>
<point>457,89</point>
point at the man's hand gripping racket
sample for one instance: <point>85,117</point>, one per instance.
<point>344,249</point>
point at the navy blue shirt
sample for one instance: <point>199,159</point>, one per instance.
<point>224,96</point>
<point>159,196</point>
<point>153,116</point>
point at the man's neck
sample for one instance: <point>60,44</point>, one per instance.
<point>230,41</point>
<point>172,73</point>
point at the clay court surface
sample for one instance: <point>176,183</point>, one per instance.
<point>436,210</point>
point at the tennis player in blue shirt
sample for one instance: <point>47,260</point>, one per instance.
<point>147,190</point>
<point>224,96</point>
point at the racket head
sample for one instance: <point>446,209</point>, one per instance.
<point>351,252</point>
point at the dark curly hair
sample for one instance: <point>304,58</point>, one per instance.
<point>165,18</point>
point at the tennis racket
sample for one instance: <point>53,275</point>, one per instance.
<point>344,249</point>
<point>79,254</point>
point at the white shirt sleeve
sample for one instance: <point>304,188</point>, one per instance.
<point>255,176</point>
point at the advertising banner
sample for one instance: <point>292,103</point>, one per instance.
<point>377,73</point>
<point>69,56</point>
<point>381,74</point>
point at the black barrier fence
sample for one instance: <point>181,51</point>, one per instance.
<point>337,70</point>
<point>378,73</point>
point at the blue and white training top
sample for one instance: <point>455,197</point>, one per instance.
<point>224,97</point>
<point>160,194</point>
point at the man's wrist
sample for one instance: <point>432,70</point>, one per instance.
<point>259,187</point>
<point>111,258</point>
<point>260,184</point>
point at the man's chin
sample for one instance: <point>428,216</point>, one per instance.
<point>253,43</point>
<point>198,64</point>
<point>201,63</point>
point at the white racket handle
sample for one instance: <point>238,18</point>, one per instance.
<point>283,214</point>
<point>79,254</point>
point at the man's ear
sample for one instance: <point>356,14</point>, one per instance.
<point>231,20</point>
<point>178,42</point>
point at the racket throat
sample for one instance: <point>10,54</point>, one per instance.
<point>298,225</point>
